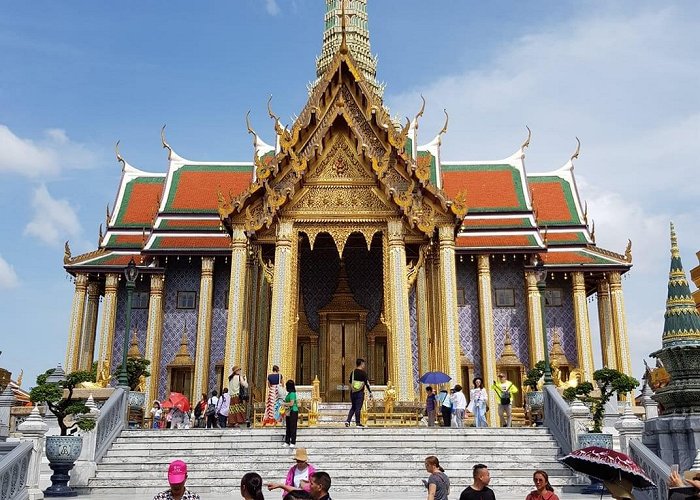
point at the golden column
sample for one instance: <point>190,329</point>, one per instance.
<point>448,292</point>
<point>436,350</point>
<point>488,336</point>
<point>109,315</point>
<point>233,350</point>
<point>282,303</point>
<point>422,313</point>
<point>87,342</point>
<point>76,323</point>
<point>203,345</point>
<point>584,344</point>
<point>534,314</point>
<point>154,334</point>
<point>399,341</point>
<point>605,322</point>
<point>617,303</point>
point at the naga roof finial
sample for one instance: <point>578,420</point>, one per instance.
<point>578,150</point>
<point>164,142</point>
<point>628,251</point>
<point>119,156</point>
<point>444,127</point>
<point>420,113</point>
<point>99,237</point>
<point>66,253</point>
<point>269,110</point>
<point>527,141</point>
<point>247,124</point>
<point>109,216</point>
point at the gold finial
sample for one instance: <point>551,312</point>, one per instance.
<point>99,237</point>
<point>134,351</point>
<point>19,379</point>
<point>247,123</point>
<point>578,149</point>
<point>675,252</point>
<point>628,251</point>
<point>66,253</point>
<point>527,141</point>
<point>165,143</point>
<point>447,121</point>
<point>420,113</point>
<point>343,26</point>
<point>593,231</point>
<point>585,212</point>
<point>119,156</point>
<point>269,109</point>
<point>109,216</point>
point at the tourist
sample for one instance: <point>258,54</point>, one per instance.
<point>479,489</point>
<point>238,386</point>
<point>177,417</point>
<point>430,406</point>
<point>274,392</point>
<point>177,476</point>
<point>478,399</point>
<point>222,408</point>
<point>358,383</point>
<point>459,404</point>
<point>199,410</point>
<point>251,486</point>
<point>543,490</point>
<point>156,414</point>
<point>297,476</point>
<point>320,486</point>
<point>445,408</point>
<point>168,416</point>
<point>210,412</point>
<point>438,483</point>
<point>291,415</point>
<point>505,390</point>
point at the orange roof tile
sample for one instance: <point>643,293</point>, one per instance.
<point>189,242</point>
<point>195,188</point>
<point>486,189</point>
<point>553,201</point>
<point>140,202</point>
<point>496,241</point>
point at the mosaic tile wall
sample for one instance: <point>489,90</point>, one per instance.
<point>413,314</point>
<point>139,322</point>
<point>365,275</point>
<point>469,312</point>
<point>562,319</point>
<point>222,271</point>
<point>180,275</point>
<point>510,275</point>
<point>319,276</point>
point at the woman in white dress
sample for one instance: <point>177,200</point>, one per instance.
<point>477,402</point>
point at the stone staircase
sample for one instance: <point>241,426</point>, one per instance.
<point>359,460</point>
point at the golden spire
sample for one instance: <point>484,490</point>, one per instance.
<point>675,252</point>
<point>134,351</point>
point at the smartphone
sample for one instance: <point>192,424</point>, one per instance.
<point>674,468</point>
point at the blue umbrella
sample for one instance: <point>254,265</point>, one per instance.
<point>435,378</point>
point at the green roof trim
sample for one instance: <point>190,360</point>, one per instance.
<point>433,164</point>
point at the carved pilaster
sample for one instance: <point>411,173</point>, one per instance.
<point>534,315</point>
<point>235,326</point>
<point>448,291</point>
<point>87,342</point>
<point>399,335</point>
<point>488,336</point>
<point>109,315</point>
<point>154,334</point>
<point>583,328</point>
<point>619,320</point>
<point>422,312</point>
<point>605,324</point>
<point>282,293</point>
<point>203,349</point>
<point>437,351</point>
<point>76,323</point>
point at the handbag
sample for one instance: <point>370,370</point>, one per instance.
<point>243,393</point>
<point>281,391</point>
<point>357,385</point>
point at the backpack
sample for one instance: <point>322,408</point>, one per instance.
<point>211,408</point>
<point>505,396</point>
<point>357,385</point>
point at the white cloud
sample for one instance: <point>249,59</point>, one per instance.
<point>40,158</point>
<point>8,277</point>
<point>272,7</point>
<point>53,220</point>
<point>626,84</point>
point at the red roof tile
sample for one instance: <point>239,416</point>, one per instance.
<point>486,189</point>
<point>195,188</point>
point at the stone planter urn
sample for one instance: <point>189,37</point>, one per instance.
<point>137,399</point>
<point>62,452</point>
<point>535,404</point>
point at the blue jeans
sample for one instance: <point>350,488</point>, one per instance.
<point>356,400</point>
<point>480,416</point>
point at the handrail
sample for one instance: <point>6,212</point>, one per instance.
<point>13,472</point>
<point>111,421</point>
<point>557,418</point>
<point>655,468</point>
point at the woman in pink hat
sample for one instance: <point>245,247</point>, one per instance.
<point>297,476</point>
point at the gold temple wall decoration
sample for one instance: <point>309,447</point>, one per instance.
<point>109,315</point>
<point>534,314</point>
<point>87,342</point>
<point>584,343</point>
<point>488,336</point>
<point>203,335</point>
<point>76,325</point>
<point>617,302</point>
<point>608,342</point>
<point>154,334</point>
<point>235,324</point>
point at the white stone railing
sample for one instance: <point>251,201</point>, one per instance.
<point>110,423</point>
<point>13,471</point>
<point>557,418</point>
<point>655,468</point>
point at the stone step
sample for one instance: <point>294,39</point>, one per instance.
<point>341,436</point>
<point>384,431</point>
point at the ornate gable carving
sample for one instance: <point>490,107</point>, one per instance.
<point>339,164</point>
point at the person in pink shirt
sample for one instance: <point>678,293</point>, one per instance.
<point>297,476</point>
<point>543,490</point>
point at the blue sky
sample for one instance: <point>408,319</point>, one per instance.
<point>75,76</point>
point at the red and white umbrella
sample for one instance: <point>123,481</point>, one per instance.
<point>607,465</point>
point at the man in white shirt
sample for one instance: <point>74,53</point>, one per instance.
<point>210,412</point>
<point>222,407</point>
<point>459,404</point>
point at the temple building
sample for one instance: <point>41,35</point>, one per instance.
<point>347,238</point>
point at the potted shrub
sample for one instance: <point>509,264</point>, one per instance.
<point>534,398</point>
<point>609,382</point>
<point>55,390</point>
